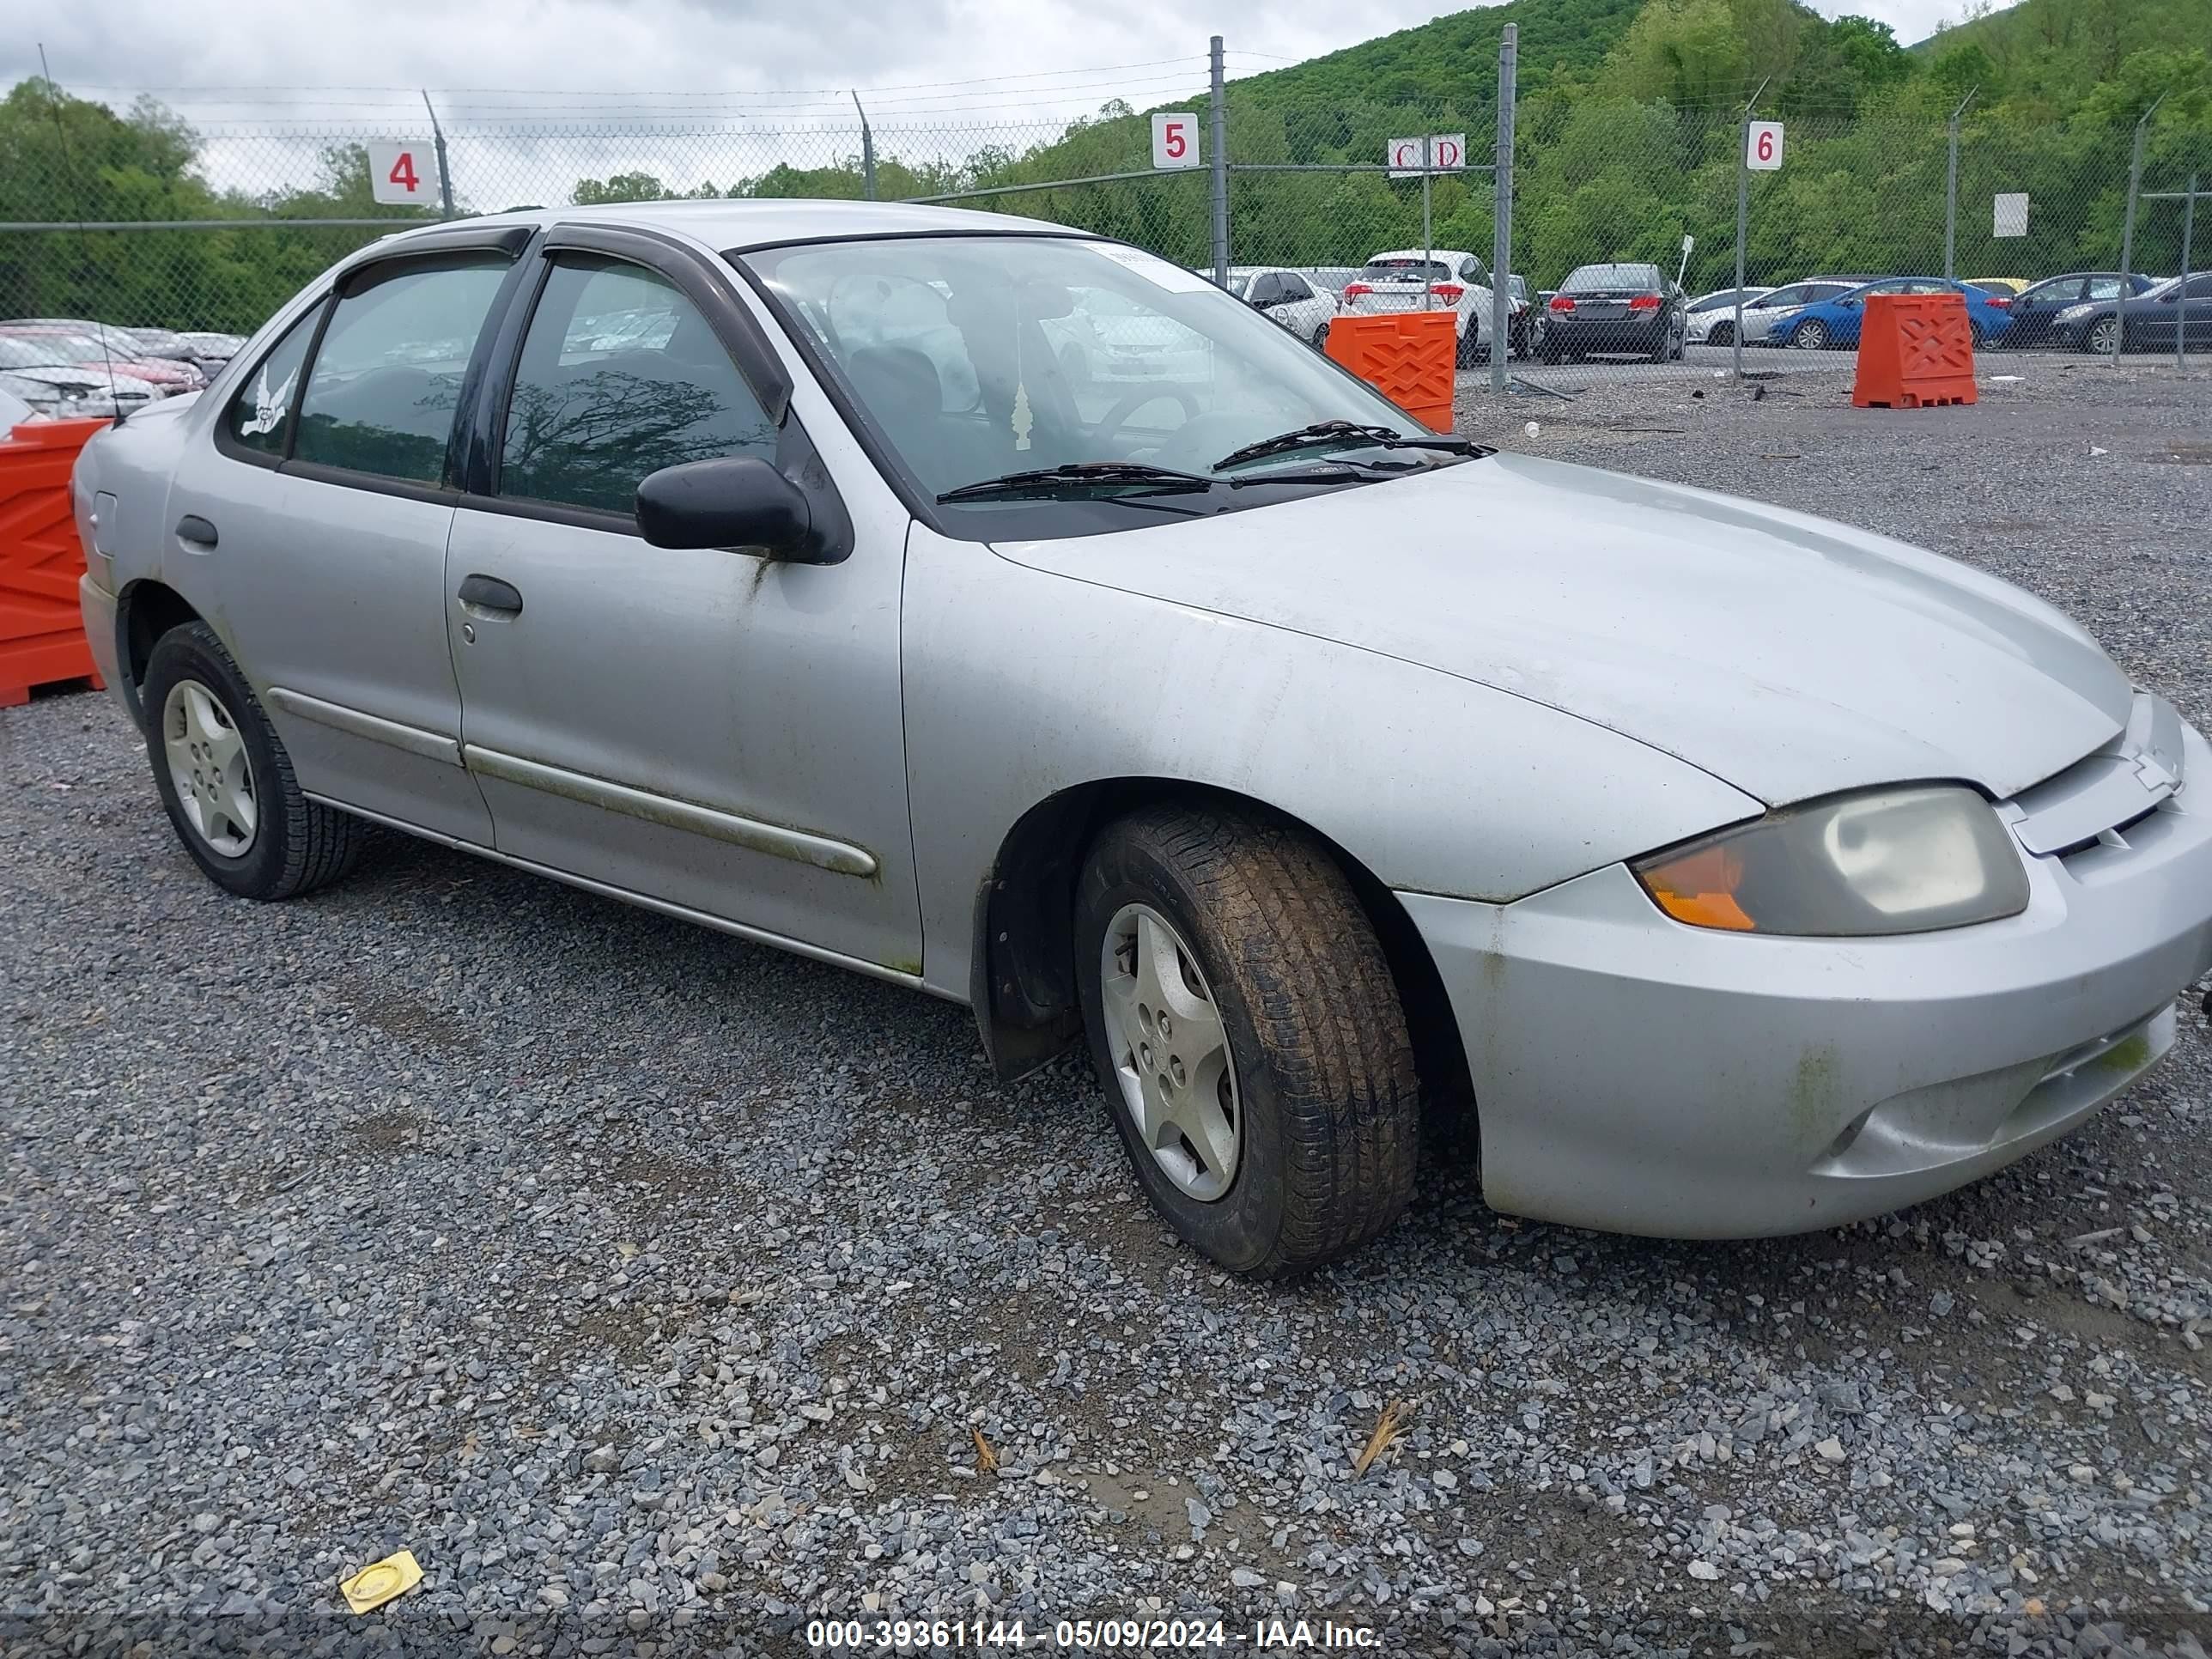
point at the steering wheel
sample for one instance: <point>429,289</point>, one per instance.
<point>1111,422</point>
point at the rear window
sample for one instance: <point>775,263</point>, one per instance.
<point>1406,271</point>
<point>1601,277</point>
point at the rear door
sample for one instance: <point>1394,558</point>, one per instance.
<point>322,508</point>
<point>706,728</point>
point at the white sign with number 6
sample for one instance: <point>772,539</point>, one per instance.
<point>1762,146</point>
<point>401,174</point>
<point>1175,140</point>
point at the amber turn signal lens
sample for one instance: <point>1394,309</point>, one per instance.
<point>1699,888</point>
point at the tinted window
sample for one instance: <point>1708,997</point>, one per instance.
<point>1294,286</point>
<point>2200,288</point>
<point>1786,296</point>
<point>387,377</point>
<point>1598,276</point>
<point>259,417</point>
<point>1406,271</point>
<point>1267,288</point>
<point>591,416</point>
<point>1814,293</point>
<point>2100,287</point>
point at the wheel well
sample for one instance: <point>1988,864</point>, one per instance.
<point>1022,981</point>
<point>146,611</point>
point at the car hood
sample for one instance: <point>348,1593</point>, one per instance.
<point>1789,655</point>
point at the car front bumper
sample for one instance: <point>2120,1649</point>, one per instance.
<point>97,606</point>
<point>1636,1075</point>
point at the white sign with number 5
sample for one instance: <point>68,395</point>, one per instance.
<point>1762,146</point>
<point>401,174</point>
<point>1175,140</point>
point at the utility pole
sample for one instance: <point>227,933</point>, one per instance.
<point>444,173</point>
<point>2128,233</point>
<point>1501,216</point>
<point>1951,194</point>
<point>1742,223</point>
<point>1218,164</point>
<point>867,151</point>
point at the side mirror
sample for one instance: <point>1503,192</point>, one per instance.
<point>737,501</point>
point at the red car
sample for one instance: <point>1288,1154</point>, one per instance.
<point>69,346</point>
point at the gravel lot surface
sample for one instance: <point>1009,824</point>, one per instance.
<point>660,1292</point>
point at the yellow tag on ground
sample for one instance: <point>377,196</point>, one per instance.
<point>380,1580</point>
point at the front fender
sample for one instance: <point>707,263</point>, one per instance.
<point>1021,684</point>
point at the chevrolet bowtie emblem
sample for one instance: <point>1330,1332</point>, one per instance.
<point>2155,776</point>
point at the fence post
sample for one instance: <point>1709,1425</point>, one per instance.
<point>1501,215</point>
<point>867,151</point>
<point>1218,164</point>
<point>1742,222</point>
<point>1951,193</point>
<point>444,173</point>
<point>2181,294</point>
<point>2127,233</point>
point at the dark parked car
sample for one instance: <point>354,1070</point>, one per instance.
<point>2153,317</point>
<point>2036,307</point>
<point>1616,307</point>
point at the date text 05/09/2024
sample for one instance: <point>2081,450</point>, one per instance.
<point>1087,1635</point>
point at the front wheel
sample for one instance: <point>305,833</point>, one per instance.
<point>1255,1057</point>
<point>2102,335</point>
<point>1811,335</point>
<point>225,780</point>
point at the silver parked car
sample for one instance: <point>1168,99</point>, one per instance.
<point>1747,873</point>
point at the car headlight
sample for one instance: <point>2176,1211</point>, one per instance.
<point>1900,860</point>
<point>2073,313</point>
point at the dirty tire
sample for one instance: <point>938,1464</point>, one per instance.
<point>299,844</point>
<point>1330,1104</point>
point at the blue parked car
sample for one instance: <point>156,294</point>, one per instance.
<point>1833,324</point>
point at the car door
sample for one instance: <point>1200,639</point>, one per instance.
<point>2032,313</point>
<point>1302,311</point>
<point>321,508</point>
<point>709,730</point>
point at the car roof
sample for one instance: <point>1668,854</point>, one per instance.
<point>1420,253</point>
<point>736,225</point>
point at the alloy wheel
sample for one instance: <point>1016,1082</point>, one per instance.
<point>209,767</point>
<point>1170,1052</point>
<point>2102,333</point>
<point>1811,335</point>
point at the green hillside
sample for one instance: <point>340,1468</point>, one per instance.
<point>2058,52</point>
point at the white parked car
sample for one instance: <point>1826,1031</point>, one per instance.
<point>1104,340</point>
<point>1776,305</point>
<point>1712,316</point>
<point>1285,296</point>
<point>1416,279</point>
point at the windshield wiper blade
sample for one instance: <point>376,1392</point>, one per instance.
<point>1049,480</point>
<point>1332,432</point>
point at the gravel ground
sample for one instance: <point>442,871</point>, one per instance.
<point>660,1292</point>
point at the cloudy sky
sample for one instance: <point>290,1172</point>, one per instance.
<point>1048,54</point>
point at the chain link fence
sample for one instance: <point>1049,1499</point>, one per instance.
<point>139,218</point>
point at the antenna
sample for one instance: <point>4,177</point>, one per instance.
<point>84,238</point>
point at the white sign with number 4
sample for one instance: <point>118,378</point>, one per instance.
<point>401,174</point>
<point>1175,140</point>
<point>1762,146</point>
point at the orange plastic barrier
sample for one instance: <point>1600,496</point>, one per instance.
<point>41,630</point>
<point>1406,355</point>
<point>1916,351</point>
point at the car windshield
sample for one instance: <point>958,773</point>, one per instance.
<point>1405,270</point>
<point>975,357</point>
<point>1602,277</point>
<point>1238,281</point>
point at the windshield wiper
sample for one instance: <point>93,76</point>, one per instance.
<point>1076,475</point>
<point>1338,432</point>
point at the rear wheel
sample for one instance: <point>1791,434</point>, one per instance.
<point>1720,334</point>
<point>226,781</point>
<point>1249,1036</point>
<point>1320,338</point>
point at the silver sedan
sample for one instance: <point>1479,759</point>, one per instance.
<point>1744,872</point>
